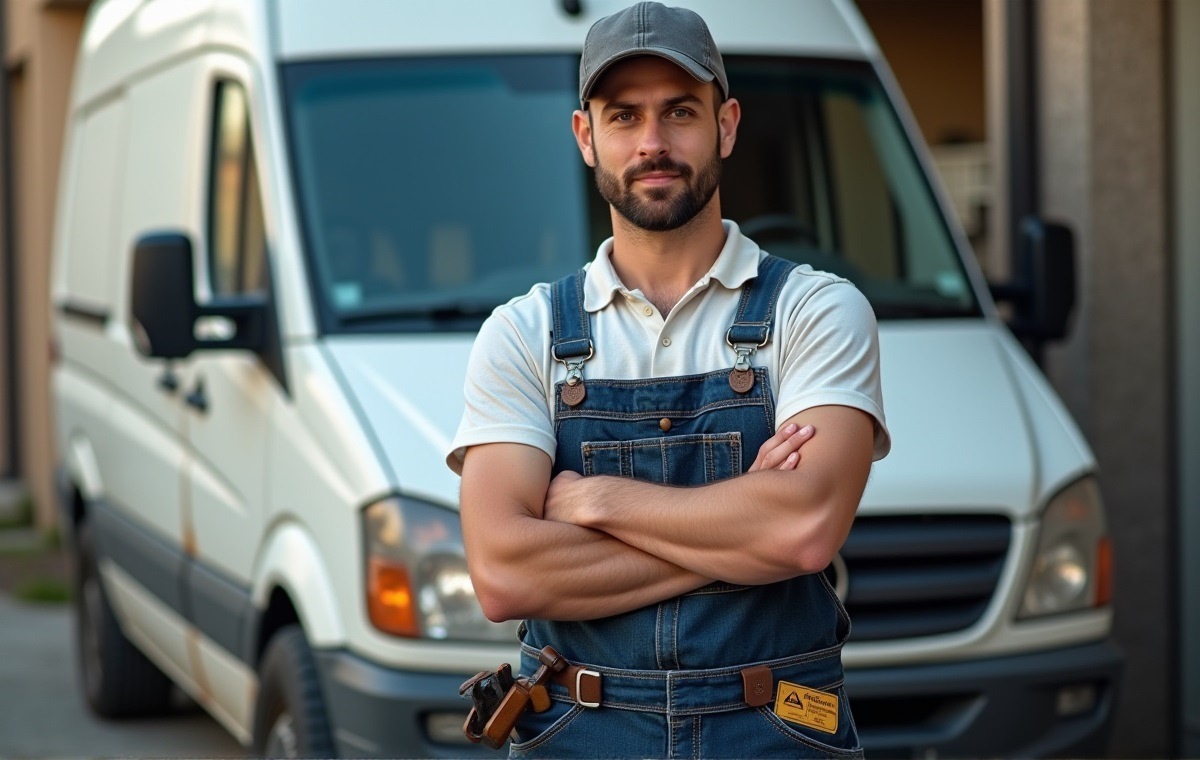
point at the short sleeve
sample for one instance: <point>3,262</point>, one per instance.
<point>830,353</point>
<point>504,394</point>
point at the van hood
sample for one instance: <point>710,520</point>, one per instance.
<point>409,392</point>
<point>974,426</point>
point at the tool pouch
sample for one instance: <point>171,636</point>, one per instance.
<point>488,690</point>
<point>497,699</point>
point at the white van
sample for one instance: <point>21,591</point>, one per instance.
<point>280,225</point>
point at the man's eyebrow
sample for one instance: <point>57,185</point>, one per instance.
<point>682,99</point>
<point>625,105</point>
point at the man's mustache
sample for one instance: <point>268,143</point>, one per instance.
<point>657,165</point>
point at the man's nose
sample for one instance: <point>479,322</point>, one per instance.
<point>653,143</point>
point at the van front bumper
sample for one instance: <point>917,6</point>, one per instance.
<point>1054,703</point>
<point>383,712</point>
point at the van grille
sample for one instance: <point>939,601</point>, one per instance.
<point>920,576</point>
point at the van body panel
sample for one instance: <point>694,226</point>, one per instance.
<point>304,470</point>
<point>971,431</point>
<point>157,629</point>
<point>231,688</point>
<point>427,413</point>
<point>1062,452</point>
<point>976,431</point>
<point>292,560</point>
<point>314,29</point>
<point>231,441</point>
<point>123,39</point>
<point>79,459</point>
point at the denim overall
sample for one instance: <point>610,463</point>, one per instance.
<point>671,672</point>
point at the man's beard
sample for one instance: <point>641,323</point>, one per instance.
<point>659,211</point>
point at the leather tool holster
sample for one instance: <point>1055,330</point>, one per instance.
<point>498,700</point>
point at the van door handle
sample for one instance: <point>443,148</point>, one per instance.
<point>198,399</point>
<point>168,380</point>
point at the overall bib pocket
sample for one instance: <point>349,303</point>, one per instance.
<point>693,459</point>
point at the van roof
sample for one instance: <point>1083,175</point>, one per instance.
<point>123,37</point>
<point>317,28</point>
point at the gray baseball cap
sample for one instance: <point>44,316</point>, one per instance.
<point>677,34</point>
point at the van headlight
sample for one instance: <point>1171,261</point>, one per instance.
<point>416,574</point>
<point>1072,568</point>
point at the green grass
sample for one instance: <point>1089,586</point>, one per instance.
<point>43,591</point>
<point>22,516</point>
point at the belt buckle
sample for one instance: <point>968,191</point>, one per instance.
<point>579,674</point>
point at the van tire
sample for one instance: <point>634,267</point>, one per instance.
<point>118,681</point>
<point>290,718</point>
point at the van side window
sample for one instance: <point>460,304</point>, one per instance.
<point>237,246</point>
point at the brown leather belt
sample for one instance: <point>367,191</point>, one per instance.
<point>583,684</point>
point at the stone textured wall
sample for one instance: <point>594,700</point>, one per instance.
<point>1103,112</point>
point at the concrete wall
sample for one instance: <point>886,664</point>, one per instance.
<point>41,44</point>
<point>1103,105</point>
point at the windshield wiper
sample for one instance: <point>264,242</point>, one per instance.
<point>921,311</point>
<point>438,312</point>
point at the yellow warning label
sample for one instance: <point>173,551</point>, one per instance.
<point>808,707</point>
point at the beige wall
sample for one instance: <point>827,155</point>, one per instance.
<point>7,453</point>
<point>935,49</point>
<point>41,45</point>
<point>1103,106</point>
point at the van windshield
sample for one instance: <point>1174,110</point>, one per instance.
<point>434,189</point>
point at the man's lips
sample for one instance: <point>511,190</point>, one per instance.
<point>657,178</point>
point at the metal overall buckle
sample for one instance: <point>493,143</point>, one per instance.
<point>574,391</point>
<point>741,377</point>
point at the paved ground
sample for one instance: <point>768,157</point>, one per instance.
<point>42,714</point>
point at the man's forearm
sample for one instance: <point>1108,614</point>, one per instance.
<point>559,571</point>
<point>761,527</point>
<point>755,529</point>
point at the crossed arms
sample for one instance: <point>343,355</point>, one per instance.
<point>576,548</point>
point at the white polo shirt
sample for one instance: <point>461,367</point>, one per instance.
<point>824,347</point>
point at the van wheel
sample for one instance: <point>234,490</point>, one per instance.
<point>118,681</point>
<point>290,718</point>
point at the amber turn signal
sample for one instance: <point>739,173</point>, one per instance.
<point>1104,571</point>
<point>390,602</point>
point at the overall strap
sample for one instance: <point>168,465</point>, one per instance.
<point>572,337</point>
<point>572,334</point>
<point>751,329</point>
<point>756,310</point>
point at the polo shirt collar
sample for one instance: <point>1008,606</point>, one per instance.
<point>736,263</point>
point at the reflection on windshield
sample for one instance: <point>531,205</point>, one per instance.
<point>433,190</point>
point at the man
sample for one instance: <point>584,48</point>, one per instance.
<point>632,480</point>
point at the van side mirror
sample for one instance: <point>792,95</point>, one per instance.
<point>167,321</point>
<point>1044,297</point>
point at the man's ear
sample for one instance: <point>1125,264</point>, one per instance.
<point>728,117</point>
<point>582,126</point>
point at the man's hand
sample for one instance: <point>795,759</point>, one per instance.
<point>782,450</point>
<point>779,452</point>
<point>765,526</point>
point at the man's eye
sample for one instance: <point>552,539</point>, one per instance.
<point>623,117</point>
<point>681,113</point>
